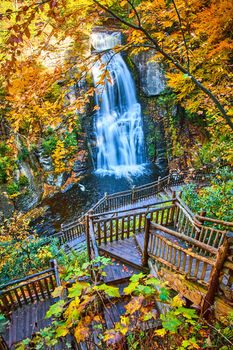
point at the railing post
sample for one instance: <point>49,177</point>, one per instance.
<point>106,201</point>
<point>88,237</point>
<point>173,206</point>
<point>214,278</point>
<point>61,238</point>
<point>3,344</point>
<point>202,213</point>
<point>159,178</point>
<point>169,179</point>
<point>133,194</point>
<point>53,264</point>
<point>146,242</point>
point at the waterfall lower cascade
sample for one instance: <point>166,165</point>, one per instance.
<point>118,120</point>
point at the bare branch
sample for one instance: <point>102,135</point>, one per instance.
<point>136,12</point>
<point>183,34</point>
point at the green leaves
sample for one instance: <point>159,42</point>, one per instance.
<point>187,313</point>
<point>170,322</point>
<point>56,309</point>
<point>109,290</point>
<point>137,277</point>
<point>58,292</point>
<point>77,288</point>
<point>131,288</point>
<point>164,294</point>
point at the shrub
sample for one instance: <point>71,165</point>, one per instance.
<point>71,140</point>
<point>23,181</point>
<point>12,188</point>
<point>49,145</point>
<point>5,162</point>
<point>23,154</point>
<point>215,199</point>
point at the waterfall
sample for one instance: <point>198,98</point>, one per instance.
<point>118,120</point>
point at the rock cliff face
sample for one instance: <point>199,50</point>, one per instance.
<point>151,74</point>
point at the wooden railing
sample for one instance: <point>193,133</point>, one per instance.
<point>29,289</point>
<point>70,231</point>
<point>182,259</point>
<point>198,261</point>
<point>113,202</point>
<point>137,194</point>
<point>226,279</point>
<point>185,222</point>
<point>121,225</point>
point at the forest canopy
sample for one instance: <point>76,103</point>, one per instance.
<point>45,50</point>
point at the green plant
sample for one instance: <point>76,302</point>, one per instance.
<point>215,199</point>
<point>3,323</point>
<point>81,310</point>
<point>23,154</point>
<point>49,145</point>
<point>6,163</point>
<point>23,181</point>
<point>4,149</point>
<point>13,188</point>
<point>71,140</point>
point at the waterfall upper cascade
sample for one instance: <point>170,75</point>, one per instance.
<point>118,121</point>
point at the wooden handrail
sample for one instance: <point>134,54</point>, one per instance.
<point>185,207</point>
<point>178,247</point>
<point>54,266</point>
<point>214,278</point>
<point>93,240</point>
<point>3,344</point>
<point>130,209</point>
<point>215,221</point>
<point>151,210</point>
<point>29,277</point>
<point>185,238</point>
<point>29,289</point>
<point>158,185</point>
<point>187,213</point>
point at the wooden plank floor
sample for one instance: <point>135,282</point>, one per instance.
<point>125,250</point>
<point>118,271</point>
<point>27,320</point>
<point>78,244</point>
<point>139,203</point>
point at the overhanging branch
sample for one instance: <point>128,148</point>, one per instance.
<point>157,47</point>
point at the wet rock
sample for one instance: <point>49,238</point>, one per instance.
<point>6,206</point>
<point>151,73</point>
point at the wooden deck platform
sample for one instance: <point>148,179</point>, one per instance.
<point>118,272</point>
<point>127,251</point>
<point>27,320</point>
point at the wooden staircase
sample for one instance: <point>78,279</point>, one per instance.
<point>126,251</point>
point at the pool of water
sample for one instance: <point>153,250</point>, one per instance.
<point>65,207</point>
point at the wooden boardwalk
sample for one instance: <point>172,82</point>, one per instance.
<point>27,320</point>
<point>146,229</point>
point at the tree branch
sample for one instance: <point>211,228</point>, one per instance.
<point>157,47</point>
<point>183,35</point>
<point>135,11</point>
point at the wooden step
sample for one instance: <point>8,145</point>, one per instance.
<point>140,241</point>
<point>125,251</point>
<point>118,272</point>
<point>78,244</point>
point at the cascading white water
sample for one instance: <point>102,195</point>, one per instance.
<point>118,121</point>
